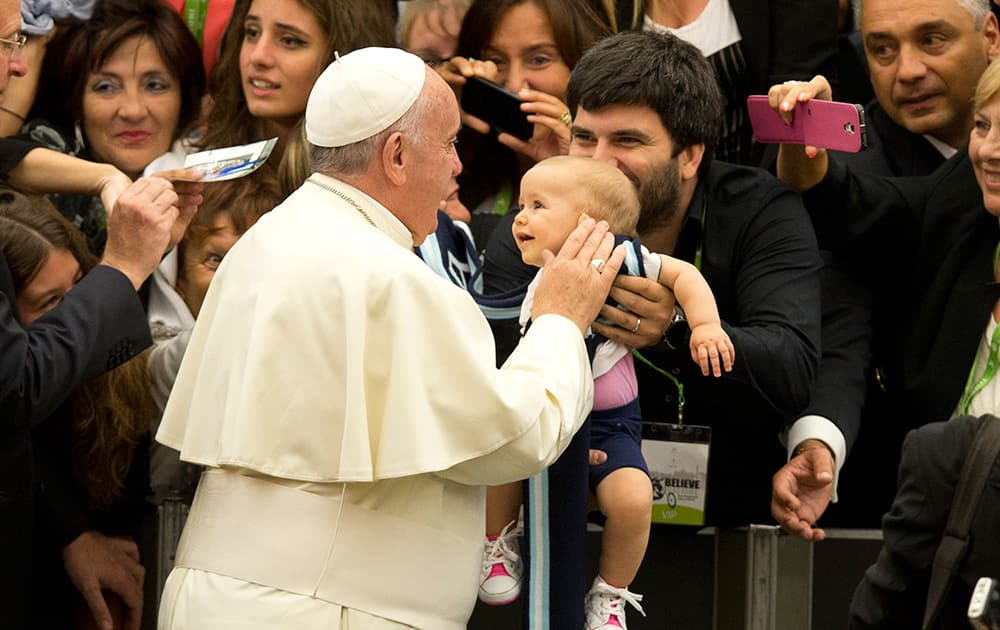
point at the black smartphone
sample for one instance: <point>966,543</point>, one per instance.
<point>496,105</point>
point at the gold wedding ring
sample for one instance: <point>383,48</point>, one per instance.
<point>566,119</point>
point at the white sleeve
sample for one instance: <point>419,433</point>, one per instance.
<point>819,428</point>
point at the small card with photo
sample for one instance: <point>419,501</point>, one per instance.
<point>219,165</point>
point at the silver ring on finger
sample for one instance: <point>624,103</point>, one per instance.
<point>638,321</point>
<point>598,264</point>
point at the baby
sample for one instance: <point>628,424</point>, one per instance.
<point>556,194</point>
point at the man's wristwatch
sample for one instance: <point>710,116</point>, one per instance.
<point>678,332</point>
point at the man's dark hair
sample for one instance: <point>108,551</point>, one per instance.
<point>656,70</point>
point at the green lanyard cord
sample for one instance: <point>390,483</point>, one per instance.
<point>505,199</point>
<point>673,379</point>
<point>194,17</point>
<point>992,361</point>
<point>989,372</point>
<point>701,241</point>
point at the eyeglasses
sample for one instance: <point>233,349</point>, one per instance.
<point>9,45</point>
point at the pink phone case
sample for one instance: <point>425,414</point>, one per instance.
<point>826,124</point>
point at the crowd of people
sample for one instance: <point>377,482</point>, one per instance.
<point>412,343</point>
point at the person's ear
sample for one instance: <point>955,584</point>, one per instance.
<point>690,161</point>
<point>393,159</point>
<point>991,35</point>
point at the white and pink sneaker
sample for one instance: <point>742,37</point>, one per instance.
<point>605,606</point>
<point>500,578</point>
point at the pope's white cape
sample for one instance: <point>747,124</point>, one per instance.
<point>326,351</point>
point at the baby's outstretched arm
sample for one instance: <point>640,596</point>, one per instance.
<point>711,347</point>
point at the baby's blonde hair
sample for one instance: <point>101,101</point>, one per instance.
<point>608,193</point>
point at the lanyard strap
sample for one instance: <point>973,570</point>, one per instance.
<point>971,390</point>
<point>673,379</point>
<point>505,199</point>
<point>701,241</point>
<point>992,362</point>
<point>194,17</point>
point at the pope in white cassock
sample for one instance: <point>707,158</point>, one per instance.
<point>344,398</point>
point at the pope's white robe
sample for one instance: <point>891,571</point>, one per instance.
<point>327,358</point>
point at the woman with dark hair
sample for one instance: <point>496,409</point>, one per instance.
<point>90,483</point>
<point>120,88</point>
<point>272,53</point>
<point>529,46</point>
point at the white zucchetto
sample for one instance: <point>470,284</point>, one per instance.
<point>361,94</point>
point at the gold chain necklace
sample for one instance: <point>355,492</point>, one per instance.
<point>345,198</point>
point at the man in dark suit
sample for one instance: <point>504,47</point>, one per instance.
<point>99,325</point>
<point>894,589</point>
<point>925,59</point>
<point>928,244</point>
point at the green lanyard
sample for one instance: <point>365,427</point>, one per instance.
<point>505,198</point>
<point>673,379</point>
<point>194,17</point>
<point>992,361</point>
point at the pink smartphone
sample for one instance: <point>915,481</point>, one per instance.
<point>826,124</point>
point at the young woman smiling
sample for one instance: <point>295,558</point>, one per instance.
<point>272,53</point>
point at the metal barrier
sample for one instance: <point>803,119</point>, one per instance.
<point>171,516</point>
<point>763,580</point>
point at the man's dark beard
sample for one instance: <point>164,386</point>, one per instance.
<point>658,196</point>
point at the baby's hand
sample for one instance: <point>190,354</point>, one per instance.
<point>709,345</point>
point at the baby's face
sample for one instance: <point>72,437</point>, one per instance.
<point>549,210</point>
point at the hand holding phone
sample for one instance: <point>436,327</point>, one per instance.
<point>818,123</point>
<point>496,105</point>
